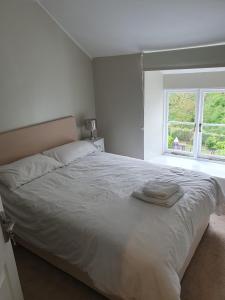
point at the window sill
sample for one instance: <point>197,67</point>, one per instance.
<point>216,169</point>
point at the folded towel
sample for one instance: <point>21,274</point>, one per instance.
<point>162,202</point>
<point>160,189</point>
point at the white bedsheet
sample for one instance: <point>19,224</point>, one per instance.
<point>84,213</point>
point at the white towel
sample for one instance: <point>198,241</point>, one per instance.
<point>160,189</point>
<point>162,202</point>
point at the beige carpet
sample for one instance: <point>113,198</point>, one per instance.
<point>204,279</point>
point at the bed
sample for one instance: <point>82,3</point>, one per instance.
<point>82,218</point>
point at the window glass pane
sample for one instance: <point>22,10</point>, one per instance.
<point>182,106</point>
<point>213,140</point>
<point>214,108</point>
<point>180,137</point>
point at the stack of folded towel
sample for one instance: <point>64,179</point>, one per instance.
<point>159,193</point>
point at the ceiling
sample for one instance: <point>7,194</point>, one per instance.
<point>114,27</point>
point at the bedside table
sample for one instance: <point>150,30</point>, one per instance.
<point>98,143</point>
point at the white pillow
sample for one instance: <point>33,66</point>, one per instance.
<point>17,173</point>
<point>70,152</point>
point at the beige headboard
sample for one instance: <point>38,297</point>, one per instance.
<point>22,142</point>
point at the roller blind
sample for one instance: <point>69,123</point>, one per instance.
<point>211,56</point>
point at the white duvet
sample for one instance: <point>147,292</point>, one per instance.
<point>84,214</point>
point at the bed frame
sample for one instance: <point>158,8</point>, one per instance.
<point>19,143</point>
<point>22,142</point>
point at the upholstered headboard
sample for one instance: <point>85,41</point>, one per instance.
<point>22,142</point>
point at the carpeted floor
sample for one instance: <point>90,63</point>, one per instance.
<point>203,280</point>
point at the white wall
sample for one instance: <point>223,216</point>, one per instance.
<point>195,80</point>
<point>153,115</point>
<point>43,74</point>
<point>119,104</point>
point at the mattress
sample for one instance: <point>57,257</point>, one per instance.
<point>84,214</point>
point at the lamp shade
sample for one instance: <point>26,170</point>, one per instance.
<point>90,124</point>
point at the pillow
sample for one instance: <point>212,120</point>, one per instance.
<point>70,152</point>
<point>17,173</point>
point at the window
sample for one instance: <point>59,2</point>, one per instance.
<point>195,123</point>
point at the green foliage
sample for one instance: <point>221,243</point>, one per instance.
<point>211,143</point>
<point>220,145</point>
<point>170,141</point>
<point>183,132</point>
<point>182,107</point>
<point>214,108</point>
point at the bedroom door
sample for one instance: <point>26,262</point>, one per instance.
<point>10,288</point>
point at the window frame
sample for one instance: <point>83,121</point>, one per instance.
<point>201,105</point>
<point>199,111</point>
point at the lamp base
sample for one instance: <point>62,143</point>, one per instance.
<point>93,135</point>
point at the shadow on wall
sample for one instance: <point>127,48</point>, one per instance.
<point>119,103</point>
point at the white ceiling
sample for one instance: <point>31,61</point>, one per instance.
<point>113,27</point>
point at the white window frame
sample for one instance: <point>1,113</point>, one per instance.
<point>197,139</point>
